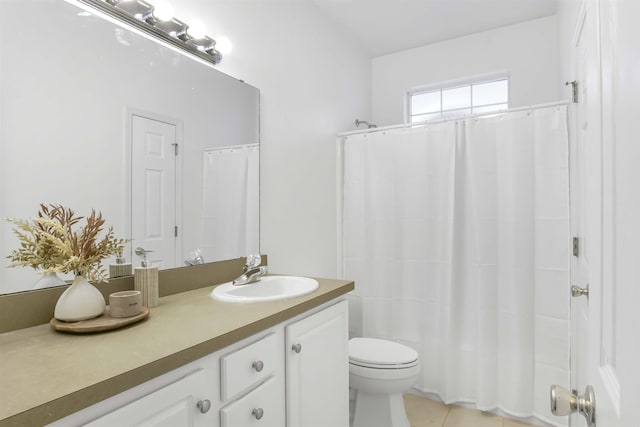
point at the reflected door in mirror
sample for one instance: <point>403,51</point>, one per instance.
<point>153,196</point>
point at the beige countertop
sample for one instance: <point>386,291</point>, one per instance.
<point>46,375</point>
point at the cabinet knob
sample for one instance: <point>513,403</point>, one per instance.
<point>297,348</point>
<point>258,365</point>
<point>257,413</point>
<point>204,405</point>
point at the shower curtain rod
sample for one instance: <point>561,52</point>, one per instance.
<point>227,147</point>
<point>472,116</point>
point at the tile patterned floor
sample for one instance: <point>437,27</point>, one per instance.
<point>428,413</point>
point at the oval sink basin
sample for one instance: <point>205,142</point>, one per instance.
<point>269,288</point>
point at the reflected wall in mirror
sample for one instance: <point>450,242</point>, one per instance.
<point>88,109</point>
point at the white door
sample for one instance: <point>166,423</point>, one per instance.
<point>606,348</point>
<point>153,190</point>
<point>317,369</point>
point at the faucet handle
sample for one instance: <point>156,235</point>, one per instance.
<point>253,260</point>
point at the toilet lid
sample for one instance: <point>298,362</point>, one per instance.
<point>378,352</point>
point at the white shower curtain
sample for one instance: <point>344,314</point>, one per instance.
<point>230,207</point>
<point>457,237</point>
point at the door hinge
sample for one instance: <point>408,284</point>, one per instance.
<point>576,246</point>
<point>175,231</point>
<point>574,90</point>
<point>175,148</point>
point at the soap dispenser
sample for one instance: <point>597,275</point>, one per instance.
<point>145,280</point>
<point>121,267</point>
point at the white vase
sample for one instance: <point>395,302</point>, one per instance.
<point>80,301</point>
<point>48,280</point>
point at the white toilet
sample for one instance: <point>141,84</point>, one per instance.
<point>380,371</point>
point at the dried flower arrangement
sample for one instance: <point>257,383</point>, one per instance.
<point>50,242</point>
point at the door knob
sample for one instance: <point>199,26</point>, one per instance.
<point>577,291</point>
<point>143,253</point>
<point>564,402</point>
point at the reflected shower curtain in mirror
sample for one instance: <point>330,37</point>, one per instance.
<point>457,237</point>
<point>230,208</point>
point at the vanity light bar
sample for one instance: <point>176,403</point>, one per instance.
<point>139,14</point>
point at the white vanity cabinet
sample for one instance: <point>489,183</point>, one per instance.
<point>294,374</point>
<point>186,402</point>
<point>317,373</point>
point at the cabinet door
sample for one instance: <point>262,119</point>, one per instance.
<point>171,406</point>
<point>317,369</point>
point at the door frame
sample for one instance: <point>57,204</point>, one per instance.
<point>128,162</point>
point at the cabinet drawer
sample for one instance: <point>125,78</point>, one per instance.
<point>248,366</point>
<point>263,407</point>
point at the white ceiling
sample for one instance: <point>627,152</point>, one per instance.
<point>386,26</point>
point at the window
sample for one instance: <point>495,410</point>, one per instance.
<point>458,100</point>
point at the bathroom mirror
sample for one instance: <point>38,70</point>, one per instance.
<point>76,90</point>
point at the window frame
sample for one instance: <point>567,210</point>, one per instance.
<point>453,84</point>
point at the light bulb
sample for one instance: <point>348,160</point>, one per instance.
<point>163,11</point>
<point>196,30</point>
<point>223,45</point>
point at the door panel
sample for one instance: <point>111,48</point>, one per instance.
<point>603,370</point>
<point>617,369</point>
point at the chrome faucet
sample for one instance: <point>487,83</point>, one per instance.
<point>252,271</point>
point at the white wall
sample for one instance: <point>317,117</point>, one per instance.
<point>314,82</point>
<point>528,51</point>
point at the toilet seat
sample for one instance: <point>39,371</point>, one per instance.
<point>375,366</point>
<point>376,353</point>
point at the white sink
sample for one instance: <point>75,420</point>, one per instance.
<point>269,288</point>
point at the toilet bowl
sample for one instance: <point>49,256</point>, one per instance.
<point>380,371</point>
